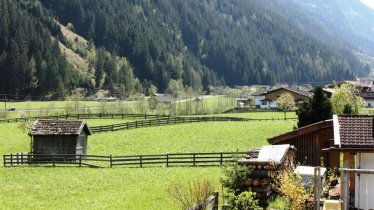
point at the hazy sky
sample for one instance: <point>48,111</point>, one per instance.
<point>370,3</point>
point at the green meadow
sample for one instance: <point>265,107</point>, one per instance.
<point>126,188</point>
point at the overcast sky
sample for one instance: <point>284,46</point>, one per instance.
<point>370,3</point>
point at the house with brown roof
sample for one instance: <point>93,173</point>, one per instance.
<point>59,137</point>
<point>270,97</point>
<point>348,136</point>
<point>354,139</point>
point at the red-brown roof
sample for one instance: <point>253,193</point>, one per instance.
<point>294,90</point>
<point>356,130</point>
<point>59,127</point>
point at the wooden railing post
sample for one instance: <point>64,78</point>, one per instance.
<point>215,202</point>
<point>53,159</point>
<point>167,159</point>
<point>345,190</point>
<point>22,158</point>
<point>80,160</point>
<point>29,158</point>
<point>194,159</point>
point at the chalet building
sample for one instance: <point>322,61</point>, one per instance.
<point>270,97</point>
<point>347,136</point>
<point>59,137</point>
<point>258,97</point>
<point>354,138</point>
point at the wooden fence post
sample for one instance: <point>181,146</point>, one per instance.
<point>215,203</point>
<point>141,161</point>
<point>11,159</point>
<point>110,161</point>
<point>167,159</point>
<point>28,158</point>
<point>345,190</point>
<point>80,160</point>
<point>53,159</point>
<point>319,187</point>
<point>4,160</point>
<point>194,159</point>
<point>112,127</point>
<point>221,158</point>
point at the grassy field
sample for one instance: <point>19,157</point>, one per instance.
<point>260,115</point>
<point>123,188</point>
<point>209,105</point>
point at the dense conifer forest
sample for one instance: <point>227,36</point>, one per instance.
<point>134,44</point>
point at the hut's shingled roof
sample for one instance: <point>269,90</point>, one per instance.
<point>59,127</point>
<point>356,130</point>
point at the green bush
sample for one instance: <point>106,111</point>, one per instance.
<point>280,203</point>
<point>246,201</point>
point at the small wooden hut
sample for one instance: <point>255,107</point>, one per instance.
<point>59,137</point>
<point>310,142</point>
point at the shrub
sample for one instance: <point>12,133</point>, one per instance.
<point>246,201</point>
<point>280,203</point>
<point>188,196</point>
<point>235,176</point>
<point>292,189</point>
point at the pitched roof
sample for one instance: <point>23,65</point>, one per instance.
<point>58,127</point>
<point>295,90</point>
<point>258,92</point>
<point>355,131</point>
<point>301,131</point>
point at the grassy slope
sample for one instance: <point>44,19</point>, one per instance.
<point>195,137</point>
<point>83,188</point>
<point>121,188</point>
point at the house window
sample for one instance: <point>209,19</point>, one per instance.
<point>264,103</point>
<point>370,93</point>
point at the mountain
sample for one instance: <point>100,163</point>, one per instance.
<point>133,44</point>
<point>343,23</point>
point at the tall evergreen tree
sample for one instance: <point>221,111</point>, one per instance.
<point>317,109</point>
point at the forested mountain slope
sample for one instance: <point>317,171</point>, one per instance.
<point>135,43</point>
<point>344,23</point>
<point>203,41</point>
<point>38,61</point>
<point>30,60</point>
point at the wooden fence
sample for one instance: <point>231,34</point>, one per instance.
<point>134,161</point>
<point>83,116</point>
<point>171,121</point>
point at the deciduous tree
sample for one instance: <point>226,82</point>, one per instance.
<point>346,99</point>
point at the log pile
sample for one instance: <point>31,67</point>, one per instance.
<point>264,163</point>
